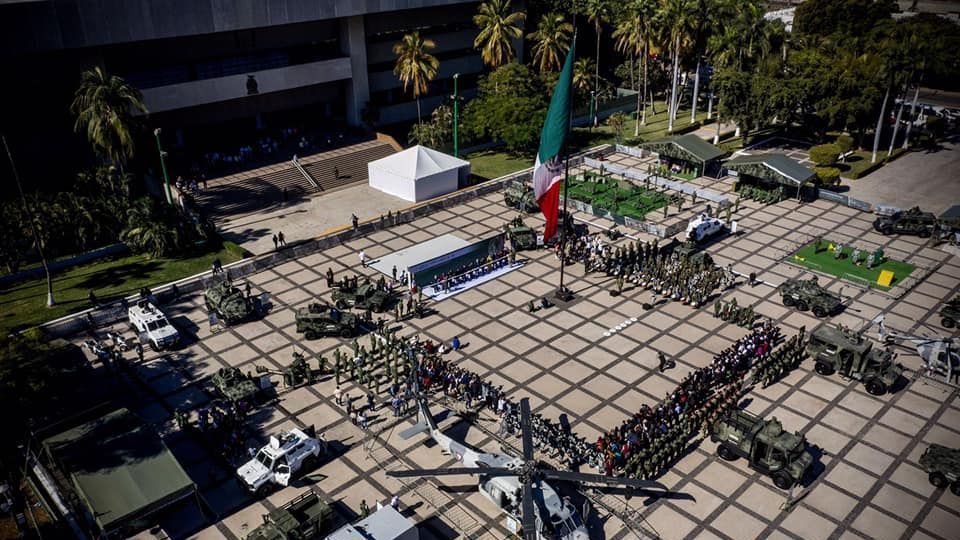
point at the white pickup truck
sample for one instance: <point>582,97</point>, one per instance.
<point>152,325</point>
<point>283,457</point>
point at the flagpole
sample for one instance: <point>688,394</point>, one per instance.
<point>561,291</point>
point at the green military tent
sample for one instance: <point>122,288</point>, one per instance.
<point>121,470</point>
<point>771,169</point>
<point>687,148</point>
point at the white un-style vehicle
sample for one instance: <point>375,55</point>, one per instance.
<point>704,226</point>
<point>152,325</point>
<point>294,451</point>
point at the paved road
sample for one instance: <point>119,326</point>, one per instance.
<point>925,179</point>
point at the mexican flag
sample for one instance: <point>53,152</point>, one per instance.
<point>548,170</point>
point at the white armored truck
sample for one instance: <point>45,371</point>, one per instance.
<point>286,455</point>
<point>152,325</point>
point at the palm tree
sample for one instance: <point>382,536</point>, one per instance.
<point>633,35</point>
<point>551,41</point>
<point>415,66</point>
<point>676,18</point>
<point>498,26</point>
<point>103,106</point>
<point>583,74</point>
<point>597,12</point>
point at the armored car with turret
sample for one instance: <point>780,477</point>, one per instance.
<point>836,348</point>
<point>366,296</point>
<point>519,195</point>
<point>804,294</point>
<point>767,447</point>
<point>318,320</point>
<point>229,303</point>
<point>233,385</point>
<point>912,221</point>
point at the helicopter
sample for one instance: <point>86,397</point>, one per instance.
<point>941,358</point>
<point>517,485</point>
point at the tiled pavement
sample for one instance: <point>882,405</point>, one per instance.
<point>868,483</point>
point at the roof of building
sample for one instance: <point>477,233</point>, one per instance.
<point>384,524</point>
<point>774,167</point>
<point>691,146</point>
<point>120,468</point>
<point>418,162</point>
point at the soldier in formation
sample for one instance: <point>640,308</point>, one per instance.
<point>731,312</point>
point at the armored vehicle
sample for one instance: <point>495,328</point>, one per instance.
<point>521,237</point>
<point>689,251</point>
<point>943,466</point>
<point>365,296</point>
<point>286,455</point>
<point>519,195</point>
<point>703,227</point>
<point>303,518</point>
<point>805,294</point>
<point>152,325</point>
<point>318,320</point>
<point>769,449</point>
<point>950,313</point>
<point>911,221</point>
<point>229,303</point>
<point>233,385</point>
<point>836,348</point>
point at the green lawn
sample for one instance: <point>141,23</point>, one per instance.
<point>24,303</point>
<point>490,164</point>
<point>826,262</point>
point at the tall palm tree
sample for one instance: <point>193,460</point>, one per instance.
<point>597,12</point>
<point>415,66</point>
<point>103,105</point>
<point>498,26</point>
<point>676,20</point>
<point>583,74</point>
<point>633,35</point>
<point>551,41</point>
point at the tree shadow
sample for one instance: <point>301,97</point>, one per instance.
<point>117,276</point>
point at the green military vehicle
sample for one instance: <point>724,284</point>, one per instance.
<point>296,374</point>
<point>519,195</point>
<point>229,303</point>
<point>837,348</point>
<point>943,466</point>
<point>233,385</point>
<point>768,448</point>
<point>303,518</point>
<point>318,320</point>
<point>690,251</point>
<point>365,296</point>
<point>950,313</point>
<point>805,294</point>
<point>912,221</point>
<point>521,236</point>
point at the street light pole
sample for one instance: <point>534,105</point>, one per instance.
<point>163,166</point>
<point>456,117</point>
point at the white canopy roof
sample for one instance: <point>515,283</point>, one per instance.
<point>417,162</point>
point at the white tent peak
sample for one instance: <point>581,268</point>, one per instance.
<point>418,173</point>
<point>418,162</point>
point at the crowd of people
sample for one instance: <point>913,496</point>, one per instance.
<point>473,270</point>
<point>221,426</point>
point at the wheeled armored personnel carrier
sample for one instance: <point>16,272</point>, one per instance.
<point>950,313</point>
<point>318,320</point>
<point>519,195</point>
<point>303,518</point>
<point>365,296</point>
<point>233,385</point>
<point>521,236</point>
<point>229,303</point>
<point>912,221</point>
<point>768,448</point>
<point>805,294</point>
<point>943,466</point>
<point>839,349</point>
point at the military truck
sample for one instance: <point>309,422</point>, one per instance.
<point>805,294</point>
<point>229,303</point>
<point>950,313</point>
<point>943,466</point>
<point>912,221</point>
<point>837,348</point>
<point>365,296</point>
<point>519,195</point>
<point>318,320</point>
<point>521,236</point>
<point>233,385</point>
<point>303,518</point>
<point>768,448</point>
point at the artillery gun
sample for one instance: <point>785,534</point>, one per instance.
<point>943,466</point>
<point>233,385</point>
<point>303,518</point>
<point>521,236</point>
<point>836,348</point>
<point>520,195</point>
<point>229,303</point>
<point>805,294</point>
<point>950,313</point>
<point>768,448</point>
<point>296,374</point>
<point>941,359</point>
<point>322,320</point>
<point>366,296</point>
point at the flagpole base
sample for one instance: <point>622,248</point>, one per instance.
<point>563,294</point>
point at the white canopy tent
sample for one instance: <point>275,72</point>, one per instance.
<point>418,173</point>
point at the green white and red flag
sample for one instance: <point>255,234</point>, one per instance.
<point>548,169</point>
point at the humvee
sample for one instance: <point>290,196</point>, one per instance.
<point>521,236</point>
<point>768,448</point>
<point>950,313</point>
<point>805,294</point>
<point>836,348</point>
<point>519,195</point>
<point>318,320</point>
<point>365,296</point>
<point>911,221</point>
<point>943,466</point>
<point>303,518</point>
<point>229,303</point>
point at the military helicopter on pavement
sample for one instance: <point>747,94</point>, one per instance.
<point>518,485</point>
<point>941,357</point>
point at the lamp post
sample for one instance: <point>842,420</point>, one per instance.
<point>593,109</point>
<point>456,117</point>
<point>163,166</point>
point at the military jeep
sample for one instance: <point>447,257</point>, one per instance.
<point>521,236</point>
<point>365,296</point>
<point>950,313</point>
<point>229,303</point>
<point>943,466</point>
<point>768,448</point>
<point>805,294</point>
<point>519,195</point>
<point>912,221</point>
<point>838,349</point>
<point>318,320</point>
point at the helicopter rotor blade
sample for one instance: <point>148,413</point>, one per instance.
<point>453,471</point>
<point>526,429</point>
<point>569,476</point>
<point>527,512</point>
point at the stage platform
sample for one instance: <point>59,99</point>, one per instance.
<point>440,294</point>
<point>418,254</point>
